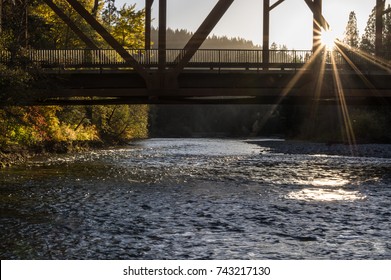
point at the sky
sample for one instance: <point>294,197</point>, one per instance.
<point>290,22</point>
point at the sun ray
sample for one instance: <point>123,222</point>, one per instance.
<point>374,60</point>
<point>355,68</point>
<point>318,91</point>
<point>341,49</point>
<point>344,108</point>
<point>290,85</point>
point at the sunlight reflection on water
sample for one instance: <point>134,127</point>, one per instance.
<point>326,195</point>
<point>326,191</point>
<point>335,182</point>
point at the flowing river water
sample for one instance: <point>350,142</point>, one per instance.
<point>197,199</point>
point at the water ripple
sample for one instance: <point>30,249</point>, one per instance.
<point>196,199</point>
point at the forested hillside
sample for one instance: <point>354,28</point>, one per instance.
<point>177,39</point>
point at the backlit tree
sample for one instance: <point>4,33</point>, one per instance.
<point>351,36</point>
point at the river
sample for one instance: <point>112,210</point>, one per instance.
<point>197,199</point>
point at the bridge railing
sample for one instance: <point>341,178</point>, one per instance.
<point>203,57</point>
<point>223,58</point>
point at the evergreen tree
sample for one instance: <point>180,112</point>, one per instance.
<point>368,38</point>
<point>273,46</point>
<point>351,37</point>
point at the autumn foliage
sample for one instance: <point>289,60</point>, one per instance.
<point>42,28</point>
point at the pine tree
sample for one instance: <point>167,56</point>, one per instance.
<point>368,38</point>
<point>351,37</point>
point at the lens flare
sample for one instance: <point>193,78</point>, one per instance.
<point>328,39</point>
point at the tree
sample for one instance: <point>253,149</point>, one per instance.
<point>128,27</point>
<point>109,14</point>
<point>32,125</point>
<point>368,38</point>
<point>57,33</point>
<point>351,37</point>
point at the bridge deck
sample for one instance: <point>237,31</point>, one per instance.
<point>212,76</point>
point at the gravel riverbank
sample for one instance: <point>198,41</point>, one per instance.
<point>16,155</point>
<point>299,147</point>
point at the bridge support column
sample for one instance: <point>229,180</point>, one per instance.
<point>148,20</point>
<point>380,5</point>
<point>266,30</point>
<point>162,34</point>
<point>317,25</point>
<point>266,33</point>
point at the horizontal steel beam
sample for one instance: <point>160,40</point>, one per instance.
<point>364,101</point>
<point>214,93</point>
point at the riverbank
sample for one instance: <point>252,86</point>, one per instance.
<point>16,155</point>
<point>310,148</point>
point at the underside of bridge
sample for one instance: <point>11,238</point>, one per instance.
<point>178,81</point>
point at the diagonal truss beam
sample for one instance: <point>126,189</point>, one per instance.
<point>107,37</point>
<point>202,33</point>
<point>275,4</point>
<point>323,22</point>
<point>89,43</point>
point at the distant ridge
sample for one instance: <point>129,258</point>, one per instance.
<point>177,39</point>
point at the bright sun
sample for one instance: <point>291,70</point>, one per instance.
<point>328,39</point>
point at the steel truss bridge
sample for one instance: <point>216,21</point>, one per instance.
<point>208,76</point>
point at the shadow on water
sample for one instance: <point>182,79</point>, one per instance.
<point>197,199</point>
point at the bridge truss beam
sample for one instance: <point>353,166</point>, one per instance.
<point>167,86</point>
<point>107,36</point>
<point>89,43</point>
<point>319,22</point>
<point>202,33</point>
